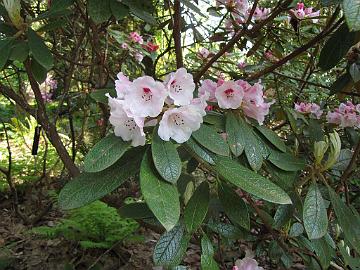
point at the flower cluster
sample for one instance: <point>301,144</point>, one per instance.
<point>135,45</point>
<point>247,264</point>
<point>240,10</point>
<point>347,115</point>
<point>311,109</point>
<point>235,95</point>
<point>144,101</point>
<point>47,87</point>
<point>302,13</point>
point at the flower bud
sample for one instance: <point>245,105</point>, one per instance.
<point>335,147</point>
<point>13,8</point>
<point>320,149</point>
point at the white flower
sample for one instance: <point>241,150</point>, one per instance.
<point>229,95</point>
<point>145,97</point>
<point>122,85</point>
<point>208,87</point>
<point>181,86</point>
<point>179,123</point>
<point>127,127</point>
<point>247,264</point>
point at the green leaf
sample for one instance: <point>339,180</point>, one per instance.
<point>206,246</point>
<point>171,247</point>
<point>327,3</point>
<point>235,137</point>
<point>208,263</point>
<point>139,9</point>
<point>211,140</point>
<point>105,153</point>
<point>5,49</point>
<point>197,207</point>
<point>99,11</point>
<point>89,187</point>
<point>136,211</point>
<point>272,137</point>
<point>99,95</point>
<point>282,215</point>
<point>166,158</point>
<point>119,10</point>
<point>341,83</point>
<point>348,221</point>
<point>351,10</point>
<point>296,229</point>
<point>336,47</point>
<point>39,50</point>
<point>324,251</point>
<point>354,71</point>
<point>193,7</point>
<point>161,197</point>
<point>314,213</point>
<point>39,72</point>
<point>226,230</point>
<point>250,181</point>
<point>253,150</point>
<point>234,207</point>
<point>286,161</point>
<point>20,51</point>
<point>195,148</point>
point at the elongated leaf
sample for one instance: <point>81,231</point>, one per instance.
<point>118,9</point>
<point>161,197</point>
<point>141,10</point>
<point>5,49</point>
<point>20,51</point>
<point>171,247</point>
<point>166,158</point>
<point>39,72</point>
<point>136,211</point>
<point>99,95</point>
<point>286,161</point>
<point>196,149</point>
<point>250,181</point>
<point>272,137</point>
<point>235,137</point>
<point>253,150</point>
<point>351,10</point>
<point>282,215</point>
<point>197,207</point>
<point>211,140</point>
<point>208,263</point>
<point>99,11</point>
<point>234,207</point>
<point>193,7</point>
<point>39,50</point>
<point>206,246</point>
<point>324,251</point>
<point>341,83</point>
<point>89,187</point>
<point>226,230</point>
<point>314,214</point>
<point>347,220</point>
<point>336,47</point>
<point>105,153</point>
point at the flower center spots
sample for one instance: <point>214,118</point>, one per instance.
<point>229,93</point>
<point>147,94</point>
<point>178,120</point>
<point>177,88</point>
<point>130,124</point>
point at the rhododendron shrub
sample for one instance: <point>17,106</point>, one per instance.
<point>232,125</point>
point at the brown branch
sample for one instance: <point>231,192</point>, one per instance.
<point>297,52</point>
<point>238,36</point>
<point>177,34</point>
<point>49,127</point>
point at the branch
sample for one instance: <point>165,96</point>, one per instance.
<point>177,34</point>
<point>49,127</point>
<point>238,36</point>
<point>297,52</point>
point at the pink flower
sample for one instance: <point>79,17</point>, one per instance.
<point>124,46</point>
<point>301,12</point>
<point>247,264</point>
<point>334,118</point>
<point>349,120</point>
<point>203,53</point>
<point>244,84</point>
<point>46,97</point>
<point>181,86</point>
<point>122,85</point>
<point>309,108</point>
<point>208,87</point>
<point>139,57</point>
<point>254,105</point>
<point>179,123</point>
<point>135,37</point>
<point>261,14</point>
<point>151,47</point>
<point>52,83</point>
<point>146,97</point>
<point>229,95</point>
<point>242,65</point>
<point>300,5</point>
<point>347,107</point>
